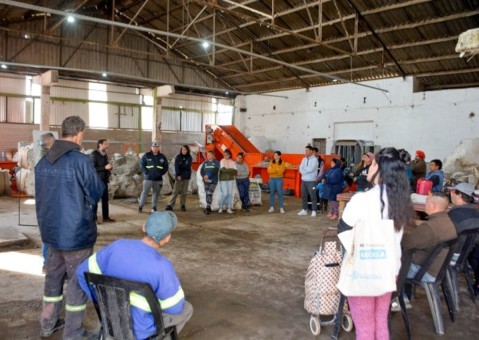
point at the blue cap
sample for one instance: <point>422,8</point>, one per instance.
<point>160,224</point>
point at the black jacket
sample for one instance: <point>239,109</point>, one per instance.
<point>154,166</point>
<point>66,187</point>
<point>183,166</point>
<point>99,162</point>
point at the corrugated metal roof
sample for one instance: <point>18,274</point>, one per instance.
<point>349,39</point>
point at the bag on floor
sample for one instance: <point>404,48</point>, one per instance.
<point>369,266</point>
<point>321,294</point>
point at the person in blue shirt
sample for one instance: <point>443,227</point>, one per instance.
<point>139,260</point>
<point>436,175</point>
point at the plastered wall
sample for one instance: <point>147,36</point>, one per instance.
<point>433,121</point>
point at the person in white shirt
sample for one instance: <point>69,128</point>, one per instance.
<point>309,171</point>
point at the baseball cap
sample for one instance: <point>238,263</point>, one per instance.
<point>160,224</point>
<point>155,144</point>
<point>465,188</point>
<point>420,154</point>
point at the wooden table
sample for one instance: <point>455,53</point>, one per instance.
<point>344,198</point>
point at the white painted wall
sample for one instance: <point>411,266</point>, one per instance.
<point>433,121</point>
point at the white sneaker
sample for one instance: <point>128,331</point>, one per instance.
<point>302,213</point>
<point>229,211</point>
<point>281,210</point>
<point>220,211</point>
<point>313,213</point>
<point>271,210</point>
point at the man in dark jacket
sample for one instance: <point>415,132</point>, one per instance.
<point>182,177</point>
<point>154,165</point>
<point>103,168</point>
<point>67,187</point>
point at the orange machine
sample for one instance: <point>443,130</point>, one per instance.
<point>221,137</point>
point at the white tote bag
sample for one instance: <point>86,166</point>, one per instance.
<point>369,266</point>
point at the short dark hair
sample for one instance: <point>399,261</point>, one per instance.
<point>100,142</point>
<point>309,147</point>
<point>316,149</point>
<point>72,125</point>
<point>437,162</point>
<point>464,197</point>
<point>240,154</point>
<point>228,151</point>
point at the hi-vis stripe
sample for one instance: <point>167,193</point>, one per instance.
<point>52,298</point>
<point>140,302</point>
<point>136,299</point>
<point>71,308</point>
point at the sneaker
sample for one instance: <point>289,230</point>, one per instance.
<point>220,211</point>
<point>229,211</point>
<point>183,208</point>
<point>59,325</point>
<point>108,219</point>
<point>303,213</point>
<point>271,210</point>
<point>140,209</point>
<point>153,209</point>
<point>281,210</point>
<point>396,307</point>
<point>169,208</point>
<point>313,213</point>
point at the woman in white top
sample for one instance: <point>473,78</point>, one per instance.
<point>388,199</point>
<point>227,177</point>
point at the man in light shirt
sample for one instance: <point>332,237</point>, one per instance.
<point>309,170</point>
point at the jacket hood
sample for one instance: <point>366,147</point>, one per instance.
<point>59,148</point>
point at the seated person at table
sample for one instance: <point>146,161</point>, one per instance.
<point>436,175</point>
<point>139,260</point>
<point>437,229</point>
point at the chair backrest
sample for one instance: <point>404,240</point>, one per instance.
<point>407,256</point>
<point>465,239</point>
<point>112,303</point>
<point>449,245</point>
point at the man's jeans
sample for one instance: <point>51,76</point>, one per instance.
<point>147,185</point>
<point>427,278</point>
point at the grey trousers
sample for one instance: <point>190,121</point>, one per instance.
<point>309,188</point>
<point>147,186</point>
<point>180,187</point>
<point>59,266</point>
<point>178,320</point>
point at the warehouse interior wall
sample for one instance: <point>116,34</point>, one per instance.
<point>434,121</point>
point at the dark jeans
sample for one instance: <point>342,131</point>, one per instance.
<point>243,189</point>
<point>59,266</point>
<point>105,212</point>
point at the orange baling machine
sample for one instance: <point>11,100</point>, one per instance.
<point>221,137</point>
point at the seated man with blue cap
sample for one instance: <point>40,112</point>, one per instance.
<point>139,260</point>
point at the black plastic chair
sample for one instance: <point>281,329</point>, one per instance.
<point>112,304</point>
<point>466,239</point>
<point>432,289</point>
<point>406,260</point>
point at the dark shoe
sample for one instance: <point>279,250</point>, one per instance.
<point>140,209</point>
<point>59,325</point>
<point>183,208</point>
<point>108,219</point>
<point>153,209</point>
<point>169,208</point>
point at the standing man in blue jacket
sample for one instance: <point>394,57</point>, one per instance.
<point>67,187</point>
<point>154,165</point>
<point>140,260</point>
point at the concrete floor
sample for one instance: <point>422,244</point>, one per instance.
<point>243,273</point>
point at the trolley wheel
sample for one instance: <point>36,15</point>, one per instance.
<point>315,324</point>
<point>347,323</point>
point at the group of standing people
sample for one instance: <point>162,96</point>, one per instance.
<point>228,173</point>
<point>68,188</point>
